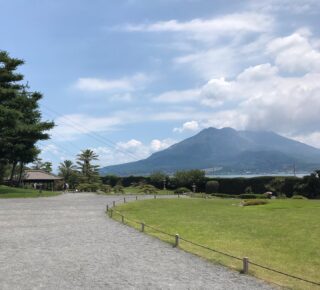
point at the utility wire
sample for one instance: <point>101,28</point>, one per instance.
<point>94,135</point>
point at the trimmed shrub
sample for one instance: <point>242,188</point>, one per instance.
<point>118,189</point>
<point>182,190</point>
<point>148,189</point>
<point>254,202</point>
<point>212,186</point>
<point>106,188</point>
<point>248,196</point>
<point>90,187</point>
<point>297,196</point>
<point>224,195</point>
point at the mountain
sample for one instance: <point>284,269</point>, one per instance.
<point>228,151</point>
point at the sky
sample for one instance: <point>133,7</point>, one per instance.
<point>127,78</point>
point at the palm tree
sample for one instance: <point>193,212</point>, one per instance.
<point>67,169</point>
<point>89,171</point>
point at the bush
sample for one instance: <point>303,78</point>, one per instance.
<point>118,189</point>
<point>106,188</point>
<point>148,189</point>
<point>90,187</point>
<point>248,196</point>
<point>181,190</point>
<point>298,197</point>
<point>254,202</point>
<point>224,195</point>
<point>212,186</point>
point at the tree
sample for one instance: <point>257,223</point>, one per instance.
<point>68,171</point>
<point>310,185</point>
<point>89,172</point>
<point>276,185</point>
<point>212,186</point>
<point>158,179</point>
<point>20,118</point>
<point>186,178</point>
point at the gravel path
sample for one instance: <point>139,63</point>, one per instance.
<point>67,242</point>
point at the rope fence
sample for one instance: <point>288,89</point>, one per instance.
<point>245,261</point>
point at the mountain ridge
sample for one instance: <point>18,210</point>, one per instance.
<point>228,149</point>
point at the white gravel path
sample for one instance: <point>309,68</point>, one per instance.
<point>67,242</point>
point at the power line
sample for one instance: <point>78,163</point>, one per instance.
<point>94,135</point>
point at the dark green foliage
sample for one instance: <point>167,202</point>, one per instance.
<point>186,178</point>
<point>224,195</point>
<point>248,196</point>
<point>309,186</point>
<point>20,118</point>
<point>212,186</point>
<point>182,190</point>
<point>158,179</point>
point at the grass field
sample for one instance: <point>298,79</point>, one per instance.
<point>13,192</point>
<point>284,234</point>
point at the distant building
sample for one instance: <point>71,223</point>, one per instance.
<point>41,179</point>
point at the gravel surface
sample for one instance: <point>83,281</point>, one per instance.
<point>67,242</point>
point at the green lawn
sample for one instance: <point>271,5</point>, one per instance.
<point>13,192</point>
<point>284,234</point>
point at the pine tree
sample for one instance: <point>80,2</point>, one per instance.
<point>20,117</point>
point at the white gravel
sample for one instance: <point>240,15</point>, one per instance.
<point>67,242</point>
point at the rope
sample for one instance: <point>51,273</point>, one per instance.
<point>210,249</point>
<point>286,274</point>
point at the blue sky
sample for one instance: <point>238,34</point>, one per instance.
<point>129,78</point>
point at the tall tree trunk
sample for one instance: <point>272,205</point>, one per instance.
<point>20,173</point>
<point>14,165</point>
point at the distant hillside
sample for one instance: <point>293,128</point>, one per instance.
<point>228,150</point>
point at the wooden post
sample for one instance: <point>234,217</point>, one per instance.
<point>245,269</point>
<point>122,219</point>
<point>176,244</point>
<point>178,195</point>
<point>155,196</point>
<point>107,208</point>
<point>124,200</point>
<point>111,212</point>
<point>142,227</point>
<point>136,197</point>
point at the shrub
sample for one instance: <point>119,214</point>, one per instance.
<point>248,196</point>
<point>224,195</point>
<point>298,197</point>
<point>90,187</point>
<point>181,190</point>
<point>106,188</point>
<point>212,186</point>
<point>254,202</point>
<point>148,189</point>
<point>118,189</point>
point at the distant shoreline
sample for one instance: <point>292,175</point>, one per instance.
<point>257,175</point>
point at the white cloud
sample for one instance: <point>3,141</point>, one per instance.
<point>312,139</point>
<point>295,53</point>
<point>204,29</point>
<point>188,126</point>
<point>106,85</point>
<point>178,96</point>
<point>129,151</point>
